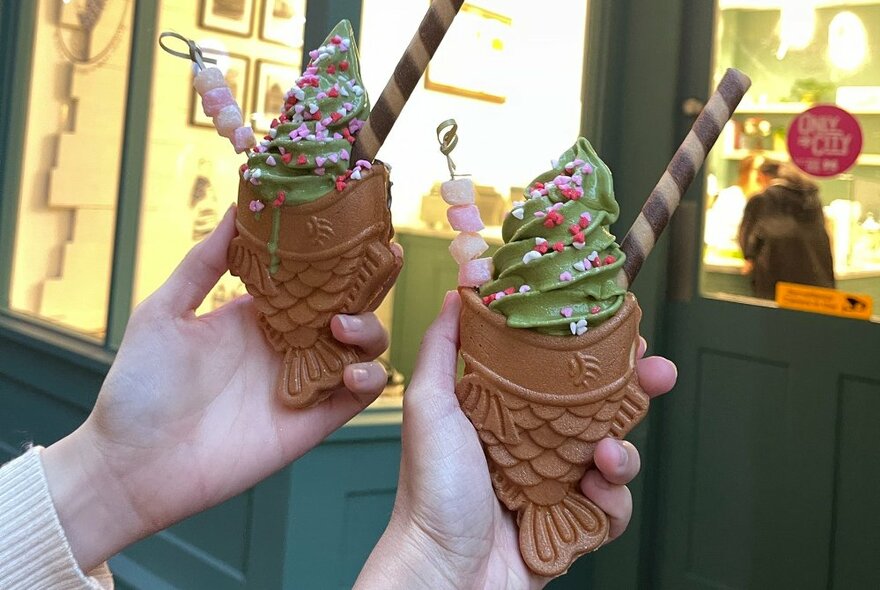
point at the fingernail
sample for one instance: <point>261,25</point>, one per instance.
<point>359,375</point>
<point>351,323</point>
<point>446,299</point>
<point>623,458</point>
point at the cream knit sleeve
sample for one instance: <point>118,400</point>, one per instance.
<point>33,549</point>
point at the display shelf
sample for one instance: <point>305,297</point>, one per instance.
<point>793,108</point>
<point>864,159</point>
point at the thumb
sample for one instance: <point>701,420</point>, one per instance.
<point>431,392</point>
<point>198,272</point>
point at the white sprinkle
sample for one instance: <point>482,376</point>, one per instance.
<point>313,108</point>
<point>257,173</point>
<point>579,245</point>
<point>247,174</point>
<point>554,163</point>
<point>356,174</point>
<point>310,137</point>
<point>593,256</point>
<point>264,142</point>
<point>519,203</point>
<point>573,327</point>
<point>540,241</point>
<point>273,133</point>
<point>500,295</point>
<point>581,331</point>
<point>525,289</point>
<point>343,91</point>
<point>271,160</point>
<point>518,213</point>
<point>531,255</point>
<point>579,265</point>
<point>535,194</point>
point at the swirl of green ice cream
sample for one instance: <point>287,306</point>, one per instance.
<point>309,145</point>
<point>556,271</point>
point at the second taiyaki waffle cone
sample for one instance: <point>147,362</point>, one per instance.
<point>540,404</point>
<point>333,256</point>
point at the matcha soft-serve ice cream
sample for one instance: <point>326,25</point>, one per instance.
<point>314,226</point>
<point>549,345</point>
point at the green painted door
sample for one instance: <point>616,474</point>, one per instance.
<point>766,452</point>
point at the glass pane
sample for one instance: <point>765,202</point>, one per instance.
<point>191,174</point>
<point>70,162</point>
<point>808,219</point>
<point>476,77</point>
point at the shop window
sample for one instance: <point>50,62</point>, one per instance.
<point>70,163</point>
<point>501,75</point>
<point>818,211</point>
<point>191,173</point>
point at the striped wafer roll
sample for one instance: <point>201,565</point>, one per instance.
<point>405,77</point>
<point>681,171</point>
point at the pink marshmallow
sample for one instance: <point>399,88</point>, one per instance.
<point>216,99</point>
<point>208,79</point>
<point>243,139</point>
<point>228,120</point>
<point>475,273</point>
<point>464,218</point>
<point>467,246</point>
<point>458,192</point>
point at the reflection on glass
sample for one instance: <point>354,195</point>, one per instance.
<point>191,173</point>
<point>70,163</point>
<point>799,53</point>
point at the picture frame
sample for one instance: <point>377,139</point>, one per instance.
<point>283,22</point>
<point>238,78</point>
<point>273,79</point>
<point>234,17</point>
<point>477,36</point>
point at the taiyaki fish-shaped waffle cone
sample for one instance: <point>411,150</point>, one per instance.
<point>540,404</point>
<point>333,256</point>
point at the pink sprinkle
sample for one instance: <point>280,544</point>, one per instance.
<point>321,95</point>
<point>337,136</point>
<point>313,54</point>
<point>566,276</point>
<point>271,160</point>
<point>566,312</point>
<point>348,106</point>
<point>333,158</point>
<point>587,169</point>
<point>561,180</point>
<point>540,214</point>
<point>256,206</point>
<point>578,179</point>
<point>578,162</point>
<point>525,289</point>
<point>298,108</point>
<point>343,153</point>
<point>595,309</point>
<point>319,161</point>
<point>363,164</point>
<point>319,171</point>
<point>293,134</point>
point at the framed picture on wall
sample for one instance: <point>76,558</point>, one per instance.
<point>237,77</point>
<point>273,80</point>
<point>477,36</point>
<point>283,22</point>
<point>235,17</point>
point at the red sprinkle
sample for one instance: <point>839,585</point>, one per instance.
<point>579,237</point>
<point>333,93</point>
<point>274,123</point>
<point>282,119</point>
<point>558,246</point>
<point>574,229</point>
<point>595,309</point>
<point>488,299</point>
<point>336,40</point>
<point>343,65</point>
<point>582,222</point>
<point>242,168</point>
<point>610,259</point>
<point>302,159</point>
<point>509,291</point>
<point>331,69</point>
<point>539,185</point>
<point>334,116</point>
<point>542,248</point>
<point>286,158</point>
<point>279,200</point>
<point>316,115</point>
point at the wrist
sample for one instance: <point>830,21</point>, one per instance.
<point>89,503</point>
<point>407,557</point>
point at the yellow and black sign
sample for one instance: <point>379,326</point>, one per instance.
<point>821,300</point>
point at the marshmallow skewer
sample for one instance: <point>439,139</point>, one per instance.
<point>406,76</point>
<point>666,196</point>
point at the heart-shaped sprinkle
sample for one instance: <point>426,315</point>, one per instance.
<point>356,174</point>
<point>565,276</point>
<point>333,158</point>
<point>313,108</point>
<point>566,312</point>
<point>525,289</point>
<point>271,160</point>
<point>319,161</point>
<point>579,265</point>
<point>531,255</point>
<point>518,213</point>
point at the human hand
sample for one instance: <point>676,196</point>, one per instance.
<point>448,530</point>
<point>187,416</point>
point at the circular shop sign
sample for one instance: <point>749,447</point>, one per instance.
<point>824,140</point>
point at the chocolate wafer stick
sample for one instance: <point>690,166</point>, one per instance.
<point>406,75</point>
<point>665,197</point>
